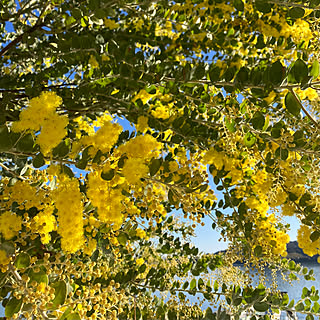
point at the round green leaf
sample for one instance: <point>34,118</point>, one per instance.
<point>209,315</point>
<point>65,314</point>
<point>200,284</point>
<point>239,5</point>
<point>292,105</point>
<point>82,164</point>
<point>193,284</point>
<point>296,12</point>
<point>26,143</point>
<point>299,307</point>
<point>38,160</point>
<point>315,69</point>
<point>314,236</point>
<point>154,166</point>
<point>40,277</point>
<point>108,175</point>
<point>5,141</point>
<point>73,316</point>
<point>22,261</point>
<point>316,307</point>
<point>122,238</point>
<point>299,70</point>
<point>62,149</point>
<point>172,315</point>
<point>261,306</point>
<point>66,170</point>
<point>258,120</point>
<point>172,197</point>
<point>76,13</point>
<point>230,125</point>
<point>214,73</point>
<point>13,306</point>
<point>314,3</point>
<point>60,293</point>
<point>263,6</point>
<point>243,75</point>
<point>276,73</point>
<point>249,139</point>
<point>258,251</point>
<point>237,301</point>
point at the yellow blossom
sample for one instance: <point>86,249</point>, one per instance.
<point>10,225</point>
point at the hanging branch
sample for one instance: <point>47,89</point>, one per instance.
<point>303,108</point>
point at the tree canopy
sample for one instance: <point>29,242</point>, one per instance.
<point>221,101</point>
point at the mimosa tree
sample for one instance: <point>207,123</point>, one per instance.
<point>221,101</point>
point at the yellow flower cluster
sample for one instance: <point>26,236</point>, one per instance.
<point>25,195</point>
<point>138,150</point>
<point>142,124</point>
<point>41,115</point>
<point>67,199</point>
<point>107,198</point>
<point>44,223</point>
<point>93,62</point>
<point>161,112</point>
<point>309,93</point>
<point>278,197</point>
<point>288,209</point>
<point>10,225</point>
<point>83,124</point>
<point>104,138</point>
<point>214,157</point>
<point>262,184</point>
<point>90,247</point>
<point>144,96</point>
<point>143,146</point>
<point>110,24</point>
<point>218,11</point>
<point>4,260</point>
<point>221,161</point>
<point>140,233</point>
<point>308,246</point>
<point>134,169</point>
<point>299,31</point>
<point>272,240</point>
<point>265,232</point>
<point>166,30</point>
<point>257,197</point>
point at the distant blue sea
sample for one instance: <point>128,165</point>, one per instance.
<point>293,289</point>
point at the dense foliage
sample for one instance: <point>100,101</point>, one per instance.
<point>222,110</point>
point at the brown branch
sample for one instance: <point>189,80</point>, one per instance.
<point>303,108</point>
<point>291,5</point>
<point>176,290</point>
<point>19,38</point>
<point>44,87</point>
<point>32,155</point>
<point>233,84</point>
<point>12,172</point>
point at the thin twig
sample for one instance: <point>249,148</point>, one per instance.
<point>12,172</point>
<point>19,38</point>
<point>303,108</point>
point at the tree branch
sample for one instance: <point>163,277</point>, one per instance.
<point>19,38</point>
<point>12,172</point>
<point>303,108</point>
